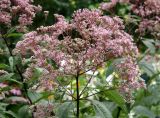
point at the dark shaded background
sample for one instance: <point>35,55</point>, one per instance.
<point>63,7</point>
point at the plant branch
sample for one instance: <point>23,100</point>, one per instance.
<point>18,70</point>
<point>70,94</point>
<point>118,112</point>
<point>97,93</point>
<point>78,97</point>
<point>20,74</point>
<point>86,85</point>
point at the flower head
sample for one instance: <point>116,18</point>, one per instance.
<point>84,43</point>
<point>15,91</point>
<point>147,10</point>
<point>21,8</point>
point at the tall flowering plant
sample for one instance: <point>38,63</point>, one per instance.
<point>73,48</point>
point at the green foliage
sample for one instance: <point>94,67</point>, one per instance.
<point>101,110</point>
<point>142,111</point>
<point>63,110</point>
<point>117,98</point>
<point>6,114</point>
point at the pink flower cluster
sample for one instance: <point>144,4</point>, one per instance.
<point>43,110</point>
<point>148,10</point>
<point>129,71</point>
<point>84,43</point>
<point>10,9</point>
<point>15,91</point>
<point>4,84</point>
<point>110,5</point>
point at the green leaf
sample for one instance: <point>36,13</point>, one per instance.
<point>43,96</point>
<point>16,35</point>
<point>24,112</point>
<point>4,66</point>
<point>6,77</point>
<point>37,72</point>
<point>2,107</point>
<point>143,111</point>
<point>11,113</point>
<point>14,81</point>
<point>17,99</point>
<point>11,62</point>
<point>110,70</point>
<point>34,96</point>
<point>150,45</point>
<point>63,110</point>
<point>2,116</point>
<point>147,68</point>
<point>11,30</point>
<point>101,110</point>
<point>110,105</point>
<point>117,98</point>
<point>3,104</point>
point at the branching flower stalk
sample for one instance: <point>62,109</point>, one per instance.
<point>71,48</point>
<point>96,93</point>
<point>87,84</point>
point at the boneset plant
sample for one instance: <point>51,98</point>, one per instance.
<point>72,48</point>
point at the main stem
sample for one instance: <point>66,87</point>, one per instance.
<point>78,97</point>
<point>118,113</point>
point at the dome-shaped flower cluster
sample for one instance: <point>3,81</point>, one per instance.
<point>84,43</point>
<point>10,9</point>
